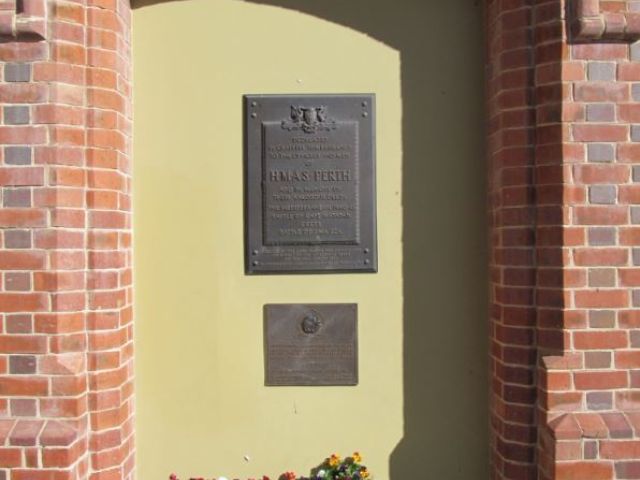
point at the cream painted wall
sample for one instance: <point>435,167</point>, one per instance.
<point>201,403</point>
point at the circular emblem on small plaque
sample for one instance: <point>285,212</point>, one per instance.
<point>311,323</point>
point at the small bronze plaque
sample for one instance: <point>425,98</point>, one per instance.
<point>313,344</point>
<point>310,183</point>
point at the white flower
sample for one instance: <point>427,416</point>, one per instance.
<point>321,474</point>
<point>223,478</point>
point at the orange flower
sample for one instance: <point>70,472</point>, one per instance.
<point>334,461</point>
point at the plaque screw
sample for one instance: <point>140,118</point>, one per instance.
<point>255,252</point>
<point>254,115</point>
<point>254,104</point>
<point>367,262</point>
<point>256,263</point>
<point>366,250</point>
<point>364,104</point>
<point>365,114</point>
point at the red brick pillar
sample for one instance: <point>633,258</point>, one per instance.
<point>590,394</point>
<point>564,83</point>
<point>511,130</point>
<point>65,297</point>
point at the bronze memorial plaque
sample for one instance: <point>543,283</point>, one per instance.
<point>313,344</point>
<point>310,183</point>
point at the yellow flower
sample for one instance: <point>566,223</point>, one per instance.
<point>334,461</point>
<point>364,473</point>
<point>356,457</point>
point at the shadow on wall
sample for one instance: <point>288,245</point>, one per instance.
<point>445,286</point>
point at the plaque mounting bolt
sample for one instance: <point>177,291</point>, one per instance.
<point>255,252</point>
<point>367,261</point>
<point>365,114</point>
<point>366,250</point>
<point>365,104</point>
<point>255,263</point>
<point>254,115</point>
<point>254,104</point>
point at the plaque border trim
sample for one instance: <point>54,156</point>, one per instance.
<point>253,166</point>
<point>311,306</point>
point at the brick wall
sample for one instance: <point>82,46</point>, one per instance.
<point>65,293</point>
<point>565,229</point>
<point>511,129</point>
<point>590,428</point>
<point>564,203</point>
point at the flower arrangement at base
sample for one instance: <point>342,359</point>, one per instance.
<point>333,468</point>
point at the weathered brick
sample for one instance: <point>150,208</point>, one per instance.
<point>17,72</point>
<point>23,302</point>
<point>602,380</point>
<point>16,115</point>
<point>598,215</point>
<point>17,155</point>
<point>23,407</point>
<point>597,360</point>
<point>600,257</point>
<point>620,449</point>
<point>17,281</point>
<point>600,152</point>
<point>602,318</point>
<point>22,260</point>
<point>601,112</point>
<point>599,401</point>
<point>629,319</point>
<point>16,197</point>
<point>600,340</point>
<point>602,194</point>
<point>601,92</point>
<point>627,470</point>
<point>600,133</point>
<point>629,112</point>
<point>601,71</point>
<point>22,364</point>
<point>601,236</point>
<point>602,277</point>
<point>17,239</point>
<point>590,450</point>
<point>25,432</point>
<point>23,93</point>
<point>18,324</point>
<point>602,298</point>
<point>584,470</point>
<point>628,72</point>
<point>601,174</point>
<point>22,176</point>
<point>635,52</point>
<point>635,294</point>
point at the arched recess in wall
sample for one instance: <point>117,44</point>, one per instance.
<point>201,402</point>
